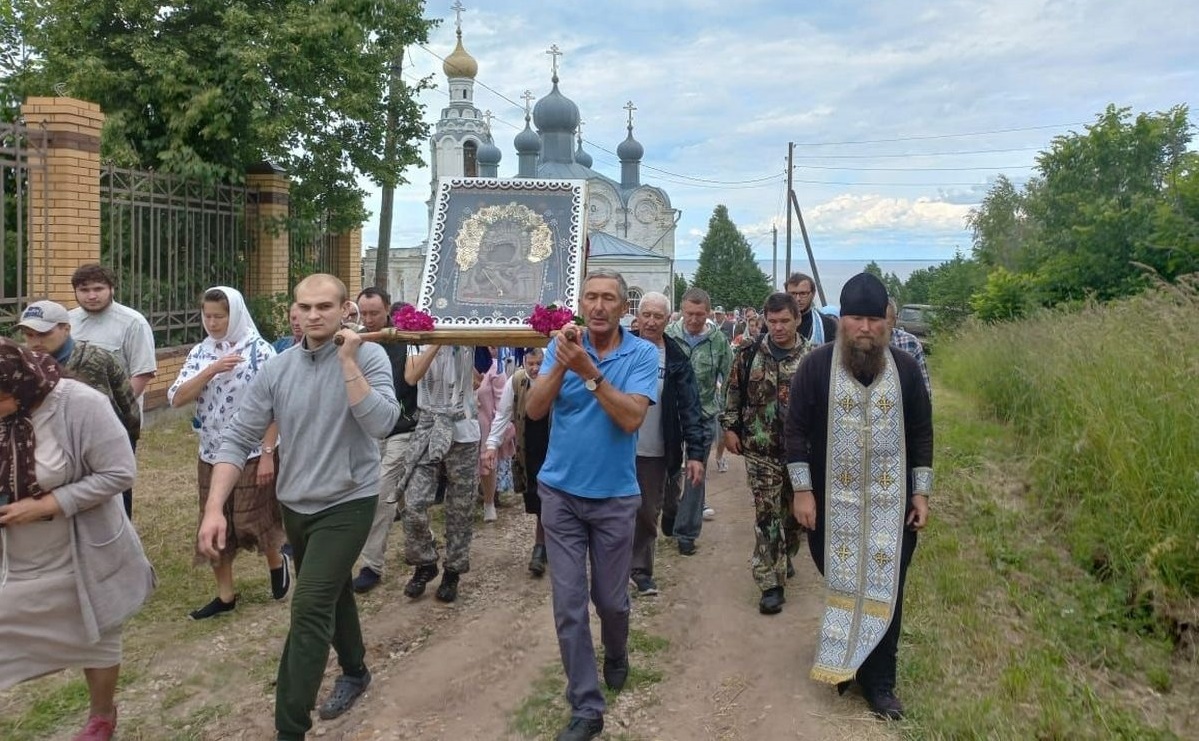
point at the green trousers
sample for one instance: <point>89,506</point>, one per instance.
<point>323,610</point>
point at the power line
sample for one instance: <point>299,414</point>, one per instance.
<point>941,136</point>
<point>913,154</point>
<point>913,169</point>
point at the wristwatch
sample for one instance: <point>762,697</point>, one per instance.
<point>591,384</point>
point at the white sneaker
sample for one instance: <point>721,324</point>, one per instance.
<point>489,513</point>
<point>722,465</point>
<point>709,513</point>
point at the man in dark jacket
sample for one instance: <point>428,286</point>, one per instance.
<point>667,426</point>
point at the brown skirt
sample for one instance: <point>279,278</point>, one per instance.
<point>253,520</point>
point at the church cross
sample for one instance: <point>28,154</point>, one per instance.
<point>580,129</point>
<point>458,9</point>
<point>554,53</point>
<point>630,108</point>
<point>528,98</point>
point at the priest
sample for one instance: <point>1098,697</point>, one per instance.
<point>859,445</point>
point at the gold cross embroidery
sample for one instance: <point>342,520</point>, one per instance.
<point>846,403</point>
<point>885,405</point>
<point>882,560</point>
<point>843,552</point>
<point>846,478</point>
<point>885,480</point>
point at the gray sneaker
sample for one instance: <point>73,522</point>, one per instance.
<point>644,584</point>
<point>346,691</point>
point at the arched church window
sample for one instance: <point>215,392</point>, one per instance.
<point>470,160</point>
<point>635,295</point>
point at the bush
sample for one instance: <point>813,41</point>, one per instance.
<point>270,315</point>
<point>1104,397</point>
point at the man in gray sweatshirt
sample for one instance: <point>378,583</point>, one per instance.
<point>333,404</point>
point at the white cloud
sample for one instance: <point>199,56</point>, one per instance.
<point>855,213</point>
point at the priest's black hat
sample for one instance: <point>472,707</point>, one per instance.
<point>864,295</point>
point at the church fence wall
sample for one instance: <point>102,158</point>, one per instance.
<point>167,238</point>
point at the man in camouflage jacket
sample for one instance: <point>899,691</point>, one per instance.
<point>758,393</point>
<point>46,327</point>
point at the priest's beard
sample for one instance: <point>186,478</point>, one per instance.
<point>863,357</point>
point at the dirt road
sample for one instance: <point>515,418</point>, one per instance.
<point>462,671</point>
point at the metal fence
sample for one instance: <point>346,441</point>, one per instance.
<point>310,247</point>
<point>170,238</point>
<point>21,153</point>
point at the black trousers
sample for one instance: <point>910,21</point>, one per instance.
<point>877,672</point>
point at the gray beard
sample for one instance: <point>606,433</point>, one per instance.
<point>861,363</point>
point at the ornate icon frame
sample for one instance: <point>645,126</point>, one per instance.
<point>491,235</point>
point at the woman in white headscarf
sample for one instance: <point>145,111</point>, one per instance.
<point>214,376</point>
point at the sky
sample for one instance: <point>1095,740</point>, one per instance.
<point>902,113</point>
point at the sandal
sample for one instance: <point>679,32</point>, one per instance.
<point>346,691</point>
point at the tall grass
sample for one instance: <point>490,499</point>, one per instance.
<point>1106,400</point>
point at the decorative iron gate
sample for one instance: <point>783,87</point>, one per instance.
<point>170,238</point>
<point>20,154</point>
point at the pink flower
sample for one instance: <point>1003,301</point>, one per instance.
<point>548,319</point>
<point>408,319</point>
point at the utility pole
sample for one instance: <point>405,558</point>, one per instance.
<point>774,270</point>
<point>808,245</point>
<point>790,195</point>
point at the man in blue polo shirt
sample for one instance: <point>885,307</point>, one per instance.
<point>599,384</point>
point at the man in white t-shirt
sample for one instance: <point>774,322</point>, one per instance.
<point>103,322</point>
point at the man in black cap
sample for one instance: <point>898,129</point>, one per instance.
<point>859,439</point>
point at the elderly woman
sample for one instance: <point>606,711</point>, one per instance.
<point>73,570</point>
<point>215,376</point>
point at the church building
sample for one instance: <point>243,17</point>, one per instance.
<point>631,225</point>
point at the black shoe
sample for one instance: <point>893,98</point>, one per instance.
<point>447,591</point>
<point>212,609</point>
<point>772,601</point>
<point>686,548</point>
<point>884,703</point>
<point>281,578</point>
<point>616,672</point>
<point>645,585</point>
<point>366,580</point>
<point>537,562</point>
<point>420,579</point>
<point>346,691</point>
<point>667,527</point>
<point>287,550</point>
<point>790,568</point>
<point>581,729</point>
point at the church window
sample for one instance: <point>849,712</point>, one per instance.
<point>634,300</point>
<point>470,160</point>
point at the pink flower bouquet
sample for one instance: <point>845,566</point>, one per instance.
<point>549,319</point>
<point>408,319</point>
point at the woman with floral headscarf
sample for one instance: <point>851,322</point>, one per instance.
<point>72,569</point>
<point>215,375</point>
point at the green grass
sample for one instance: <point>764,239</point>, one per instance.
<point>1005,637</point>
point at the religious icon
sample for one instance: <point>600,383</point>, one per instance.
<point>499,247</point>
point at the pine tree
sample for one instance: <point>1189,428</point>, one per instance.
<point>680,287</point>
<point>727,268</point>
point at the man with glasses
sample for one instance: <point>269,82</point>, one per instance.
<point>813,326</point>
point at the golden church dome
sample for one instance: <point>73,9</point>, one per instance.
<point>459,63</point>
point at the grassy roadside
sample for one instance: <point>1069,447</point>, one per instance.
<point>1004,635</point>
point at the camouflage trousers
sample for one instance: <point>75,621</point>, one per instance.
<point>776,532</point>
<point>461,463</point>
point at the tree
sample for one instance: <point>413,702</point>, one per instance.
<point>1001,227</point>
<point>1094,200</point>
<point>727,268</point>
<point>206,88</point>
<point>890,280</point>
<point>680,287</point>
